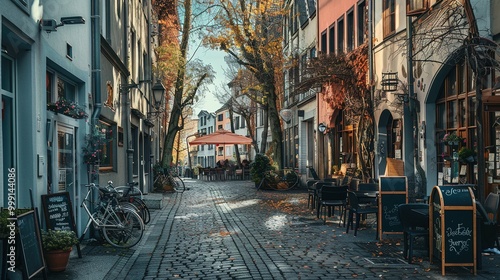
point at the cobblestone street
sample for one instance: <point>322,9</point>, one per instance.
<point>229,230</point>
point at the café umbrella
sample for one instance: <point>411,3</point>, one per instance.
<point>221,137</point>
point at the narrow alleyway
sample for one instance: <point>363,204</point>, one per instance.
<point>229,230</point>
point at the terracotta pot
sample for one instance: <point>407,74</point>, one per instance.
<point>57,260</point>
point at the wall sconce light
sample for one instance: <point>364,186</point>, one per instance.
<point>390,81</point>
<point>286,115</point>
<point>322,127</point>
<point>50,25</point>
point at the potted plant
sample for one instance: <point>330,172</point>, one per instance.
<point>57,245</point>
<point>466,155</point>
<point>259,167</point>
<point>452,139</point>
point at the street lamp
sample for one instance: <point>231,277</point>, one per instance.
<point>158,95</point>
<point>322,127</point>
<point>158,91</point>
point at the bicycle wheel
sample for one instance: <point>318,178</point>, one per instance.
<point>134,207</point>
<point>179,185</point>
<point>292,178</point>
<point>123,228</point>
<point>143,208</point>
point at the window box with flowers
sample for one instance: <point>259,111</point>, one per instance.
<point>452,139</point>
<point>68,108</point>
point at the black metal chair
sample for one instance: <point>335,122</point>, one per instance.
<point>367,187</point>
<point>331,196</point>
<point>414,225</point>
<point>356,209</point>
<point>491,208</point>
<point>311,193</point>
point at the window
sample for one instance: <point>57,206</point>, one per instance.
<point>220,117</point>
<point>331,39</point>
<point>107,154</point>
<point>220,151</point>
<point>303,64</point>
<point>243,124</point>
<point>362,25</point>
<point>340,35</point>
<point>312,52</point>
<point>350,31</point>
<point>311,5</point>
<point>237,123</point>
<point>303,18</point>
<point>416,7</point>
<point>323,42</point>
<point>455,112</point>
<point>65,90</point>
<point>389,16</point>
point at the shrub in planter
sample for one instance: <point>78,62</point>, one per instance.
<point>57,245</point>
<point>259,167</point>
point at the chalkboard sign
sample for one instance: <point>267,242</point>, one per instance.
<point>58,213</point>
<point>459,234</point>
<point>392,183</point>
<point>31,244</point>
<point>453,226</point>
<point>389,207</point>
<point>393,191</point>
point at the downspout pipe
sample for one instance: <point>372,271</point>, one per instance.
<point>370,71</point>
<point>96,61</point>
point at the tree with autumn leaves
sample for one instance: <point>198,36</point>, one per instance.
<point>250,32</point>
<point>183,75</point>
<point>342,78</point>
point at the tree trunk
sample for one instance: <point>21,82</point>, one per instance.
<point>176,111</point>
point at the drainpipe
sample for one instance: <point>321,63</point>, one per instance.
<point>409,114</point>
<point>126,92</point>
<point>96,62</point>
<point>370,76</point>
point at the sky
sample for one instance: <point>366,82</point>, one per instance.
<point>216,59</point>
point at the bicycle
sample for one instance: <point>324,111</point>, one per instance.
<point>133,195</point>
<point>121,225</point>
<point>170,177</point>
<point>281,180</point>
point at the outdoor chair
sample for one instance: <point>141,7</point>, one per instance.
<point>311,193</point>
<point>488,214</point>
<point>331,196</point>
<point>367,187</point>
<point>317,189</point>
<point>413,226</point>
<point>491,205</point>
<point>356,209</point>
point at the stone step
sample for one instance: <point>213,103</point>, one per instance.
<point>155,200</point>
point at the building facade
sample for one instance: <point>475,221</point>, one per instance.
<point>93,61</point>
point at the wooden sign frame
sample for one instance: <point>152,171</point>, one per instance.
<point>68,213</point>
<point>35,250</point>
<point>389,198</point>
<point>441,210</point>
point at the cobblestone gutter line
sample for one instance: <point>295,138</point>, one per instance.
<point>139,265</point>
<point>259,263</point>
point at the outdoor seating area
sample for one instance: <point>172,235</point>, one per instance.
<point>409,221</point>
<point>223,174</point>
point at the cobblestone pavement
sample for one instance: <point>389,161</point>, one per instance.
<point>230,230</point>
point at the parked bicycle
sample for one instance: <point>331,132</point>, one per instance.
<point>120,225</point>
<point>170,177</point>
<point>132,194</point>
<point>280,180</point>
